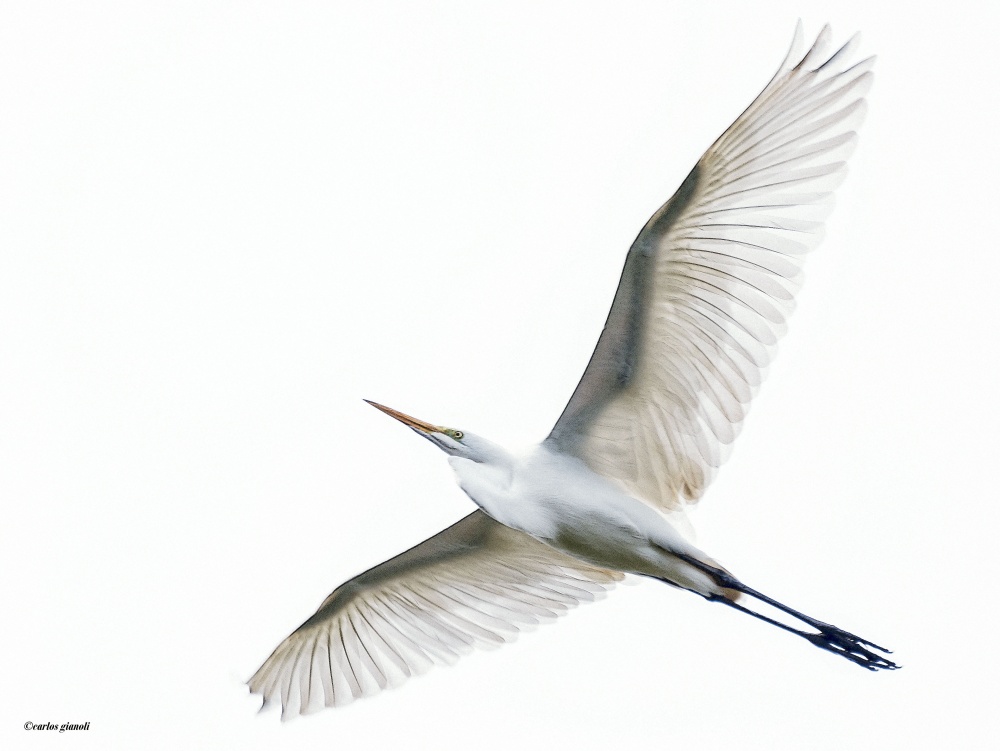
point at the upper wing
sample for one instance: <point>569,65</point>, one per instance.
<point>709,282</point>
<point>474,584</point>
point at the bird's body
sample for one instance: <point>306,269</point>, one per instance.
<point>558,500</point>
<point>702,301</point>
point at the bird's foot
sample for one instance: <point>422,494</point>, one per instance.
<point>852,647</point>
<point>828,637</point>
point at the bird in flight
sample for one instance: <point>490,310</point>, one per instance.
<point>702,301</point>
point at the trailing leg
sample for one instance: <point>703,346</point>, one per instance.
<point>827,636</point>
<point>830,638</point>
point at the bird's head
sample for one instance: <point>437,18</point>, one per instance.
<point>451,441</point>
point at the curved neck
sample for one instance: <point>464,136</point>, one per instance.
<point>487,478</point>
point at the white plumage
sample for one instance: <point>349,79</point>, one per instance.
<point>709,283</point>
<point>475,584</point>
<point>703,299</point>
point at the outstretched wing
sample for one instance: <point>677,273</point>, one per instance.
<point>709,282</point>
<point>474,584</point>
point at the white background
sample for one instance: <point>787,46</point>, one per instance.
<point>223,224</point>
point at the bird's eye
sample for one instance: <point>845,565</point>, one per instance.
<point>452,433</point>
<point>459,435</point>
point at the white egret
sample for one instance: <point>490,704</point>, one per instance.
<point>702,301</point>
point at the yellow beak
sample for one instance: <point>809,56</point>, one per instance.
<point>412,422</point>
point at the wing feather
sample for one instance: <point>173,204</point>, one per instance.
<point>710,281</point>
<point>476,584</point>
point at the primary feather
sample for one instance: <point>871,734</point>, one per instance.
<point>477,583</point>
<point>709,282</point>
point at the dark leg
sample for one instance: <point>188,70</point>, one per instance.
<point>828,637</point>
